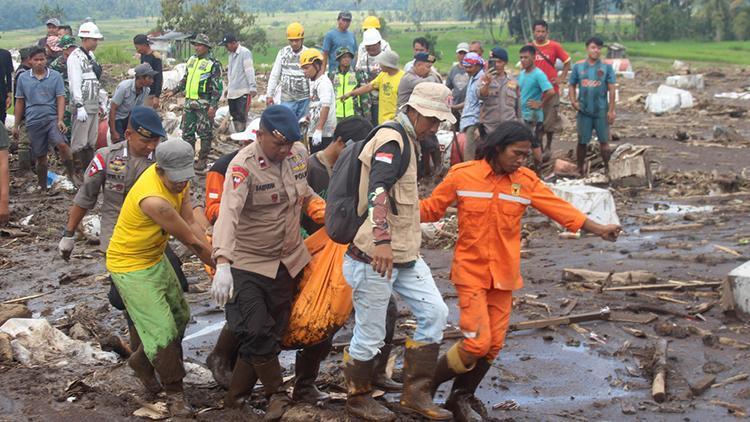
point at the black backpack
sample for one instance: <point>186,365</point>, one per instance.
<point>342,220</point>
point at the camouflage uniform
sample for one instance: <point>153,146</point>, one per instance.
<point>195,120</point>
<point>60,64</point>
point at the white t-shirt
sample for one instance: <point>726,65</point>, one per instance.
<point>322,95</point>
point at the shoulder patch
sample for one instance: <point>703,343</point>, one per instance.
<point>97,164</point>
<point>239,174</point>
<point>157,54</point>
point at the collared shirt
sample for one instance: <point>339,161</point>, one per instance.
<point>501,103</point>
<point>287,75</point>
<point>40,95</point>
<point>592,81</point>
<point>490,207</point>
<point>258,228</point>
<point>112,171</point>
<point>409,81</point>
<point>126,97</point>
<point>241,74</point>
<point>470,114</point>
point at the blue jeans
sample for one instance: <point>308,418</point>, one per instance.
<point>299,107</point>
<point>371,292</point>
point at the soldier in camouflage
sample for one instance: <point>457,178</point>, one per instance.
<point>202,85</point>
<point>60,64</point>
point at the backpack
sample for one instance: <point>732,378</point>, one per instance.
<point>341,218</point>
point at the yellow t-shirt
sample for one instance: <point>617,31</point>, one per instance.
<point>387,86</point>
<point>138,242</point>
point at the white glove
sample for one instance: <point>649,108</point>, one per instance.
<point>317,137</point>
<point>222,287</point>
<point>81,114</point>
<point>66,246</point>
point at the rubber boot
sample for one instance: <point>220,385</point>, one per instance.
<point>269,372</point>
<point>449,366</point>
<point>419,369</point>
<point>306,369</point>
<point>380,378</point>
<point>168,364</point>
<point>24,159</point>
<point>242,382</point>
<point>70,171</point>
<point>41,176</point>
<point>461,401</point>
<point>359,401</point>
<point>135,339</point>
<point>144,371</point>
<point>222,358</point>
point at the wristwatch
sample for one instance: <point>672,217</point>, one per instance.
<point>68,233</point>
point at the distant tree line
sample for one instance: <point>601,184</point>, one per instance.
<point>30,13</point>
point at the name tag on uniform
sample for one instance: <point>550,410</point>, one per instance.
<point>265,186</point>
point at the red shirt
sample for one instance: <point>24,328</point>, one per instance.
<point>552,50</point>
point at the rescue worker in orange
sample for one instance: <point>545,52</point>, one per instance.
<point>492,195</point>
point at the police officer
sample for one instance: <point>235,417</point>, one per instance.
<point>499,93</point>
<point>202,85</point>
<point>113,171</point>
<point>259,249</point>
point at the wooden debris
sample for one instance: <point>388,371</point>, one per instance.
<point>703,384</point>
<point>672,285</point>
<point>563,320</point>
<point>727,250</point>
<point>665,298</point>
<point>619,316</point>
<point>569,307</point>
<point>634,332</point>
<point>738,377</point>
<point>25,298</point>
<point>736,409</point>
<point>659,385</point>
<point>577,275</point>
<point>670,227</point>
<point>702,308</point>
<point>654,309</point>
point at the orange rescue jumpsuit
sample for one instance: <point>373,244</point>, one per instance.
<point>487,258</point>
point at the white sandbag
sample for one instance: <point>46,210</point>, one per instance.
<point>686,81</point>
<point>221,113</point>
<point>662,103</point>
<point>686,98</point>
<point>598,204</point>
<point>739,280</point>
<point>172,78</point>
<point>36,342</point>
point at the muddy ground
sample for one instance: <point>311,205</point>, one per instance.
<point>599,370</point>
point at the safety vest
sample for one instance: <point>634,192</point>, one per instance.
<point>345,82</point>
<point>198,73</point>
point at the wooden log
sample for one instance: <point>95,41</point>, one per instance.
<point>659,385</point>
<point>703,384</point>
<point>578,275</point>
<point>662,286</point>
<point>564,320</point>
<point>670,227</point>
<point>738,377</point>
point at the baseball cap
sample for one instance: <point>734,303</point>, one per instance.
<point>354,128</point>
<point>227,39</point>
<point>144,69</point>
<point>141,39</point>
<point>499,53</point>
<point>53,22</point>
<point>462,47</point>
<point>388,59</point>
<point>472,59</point>
<point>250,134</point>
<point>146,122</point>
<point>175,157</point>
<point>432,99</point>
<point>346,15</point>
<point>281,121</point>
<point>424,57</point>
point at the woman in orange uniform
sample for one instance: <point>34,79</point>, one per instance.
<point>492,194</point>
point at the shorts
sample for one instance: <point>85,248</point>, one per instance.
<point>587,125</point>
<point>537,128</point>
<point>43,136</point>
<point>552,122</point>
<point>237,107</point>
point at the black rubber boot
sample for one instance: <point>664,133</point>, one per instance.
<point>242,382</point>
<point>448,367</point>
<point>419,369</point>
<point>306,368</point>
<point>221,360</point>
<point>461,400</point>
<point>269,372</point>
<point>168,364</point>
<point>144,371</point>
<point>359,401</point>
<point>380,378</point>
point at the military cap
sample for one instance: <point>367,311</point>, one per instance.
<point>146,122</point>
<point>201,39</point>
<point>281,122</point>
<point>66,41</point>
<point>342,51</point>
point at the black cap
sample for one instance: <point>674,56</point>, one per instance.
<point>146,122</point>
<point>346,15</point>
<point>354,128</point>
<point>227,39</point>
<point>141,39</point>
<point>424,57</point>
<point>499,53</point>
<point>281,121</point>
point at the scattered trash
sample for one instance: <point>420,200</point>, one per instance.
<point>686,81</point>
<point>661,208</point>
<point>26,220</point>
<point>629,166</point>
<point>728,95</point>
<point>221,114</point>
<point>172,78</point>
<point>154,411</point>
<point>680,66</point>
<point>35,341</point>
<point>441,234</point>
<point>92,225</point>
<point>598,204</point>
<point>506,405</point>
<point>198,376</point>
<point>668,99</point>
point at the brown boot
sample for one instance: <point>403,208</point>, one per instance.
<point>306,368</point>
<point>359,401</point>
<point>222,359</point>
<point>242,382</point>
<point>380,378</point>
<point>449,366</point>
<point>419,369</point>
<point>463,404</point>
<point>269,372</point>
<point>168,364</point>
<point>144,371</point>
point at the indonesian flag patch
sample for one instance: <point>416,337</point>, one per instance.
<point>239,174</point>
<point>97,165</point>
<point>384,157</point>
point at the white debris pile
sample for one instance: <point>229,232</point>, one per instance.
<point>173,77</point>
<point>668,99</point>
<point>686,81</point>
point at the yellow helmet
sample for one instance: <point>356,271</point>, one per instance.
<point>309,56</point>
<point>371,22</point>
<point>295,31</point>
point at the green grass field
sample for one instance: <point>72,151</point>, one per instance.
<point>117,47</point>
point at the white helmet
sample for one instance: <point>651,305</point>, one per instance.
<point>371,36</point>
<point>89,30</point>
<point>250,134</point>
